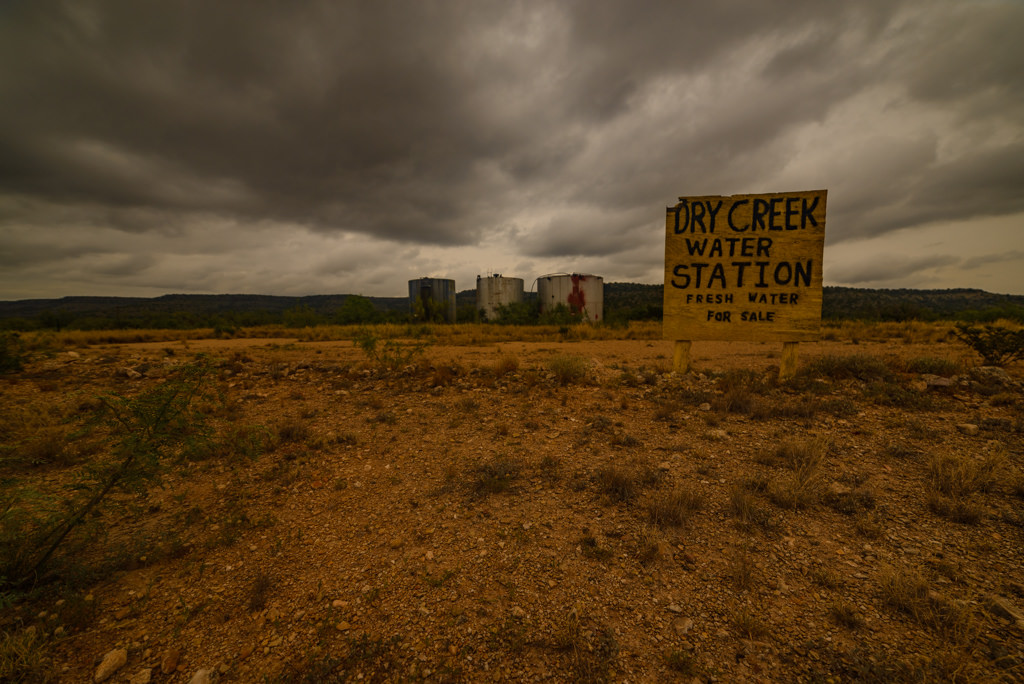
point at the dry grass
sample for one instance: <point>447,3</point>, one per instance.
<point>569,369</point>
<point>803,487</point>
<point>957,476</point>
<point>846,614</point>
<point>495,477</point>
<point>617,484</point>
<point>747,510</point>
<point>909,592</point>
<point>749,625</point>
<point>675,507</point>
<point>24,657</point>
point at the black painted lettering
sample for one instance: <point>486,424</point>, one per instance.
<point>763,245</point>
<point>716,248</point>
<point>793,298</point>
<point>760,274</point>
<point>774,213</point>
<point>682,227</point>
<point>696,247</point>
<point>757,214</point>
<point>713,212</point>
<point>783,273</point>
<point>747,247</point>
<point>700,270</point>
<point>807,213</point>
<point>732,224</point>
<point>740,267</point>
<point>698,217</point>
<point>791,211</point>
<point>803,272</point>
<point>679,271</point>
<point>717,273</point>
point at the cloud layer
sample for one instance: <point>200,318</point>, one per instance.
<point>345,147</point>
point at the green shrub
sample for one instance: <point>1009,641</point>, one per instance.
<point>858,366</point>
<point>569,368</point>
<point>391,355</point>
<point>998,346</point>
<point>12,352</point>
<point>141,430</point>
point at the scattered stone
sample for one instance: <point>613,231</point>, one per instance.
<point>967,428</point>
<point>704,407</point>
<point>936,383</point>
<point>718,434</point>
<point>343,626</point>
<point>674,608</point>
<point>682,625</point>
<point>142,677</point>
<point>200,677</point>
<point>111,663</point>
<point>169,661</point>
<point>246,652</point>
<point>997,605</point>
<point>122,614</point>
<point>518,612</point>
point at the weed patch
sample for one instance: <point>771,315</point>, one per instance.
<point>675,507</point>
<point>569,368</point>
<point>495,477</point>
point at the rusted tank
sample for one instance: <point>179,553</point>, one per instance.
<point>582,293</point>
<point>494,291</point>
<point>432,299</point>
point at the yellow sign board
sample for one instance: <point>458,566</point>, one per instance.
<point>745,267</point>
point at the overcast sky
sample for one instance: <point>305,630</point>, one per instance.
<point>346,147</point>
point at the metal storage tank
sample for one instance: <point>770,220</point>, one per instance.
<point>494,291</point>
<point>435,298</point>
<point>581,292</point>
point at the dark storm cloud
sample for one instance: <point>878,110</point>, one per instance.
<point>889,267</point>
<point>562,126</point>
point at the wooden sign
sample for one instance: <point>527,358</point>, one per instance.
<point>745,267</point>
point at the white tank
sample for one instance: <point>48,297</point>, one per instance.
<point>494,291</point>
<point>580,292</point>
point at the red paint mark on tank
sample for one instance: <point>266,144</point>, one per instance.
<point>577,300</point>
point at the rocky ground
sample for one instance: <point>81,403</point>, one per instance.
<point>528,511</point>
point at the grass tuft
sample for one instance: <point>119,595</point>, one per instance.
<point>674,508</point>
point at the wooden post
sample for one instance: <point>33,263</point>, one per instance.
<point>681,356</point>
<point>787,368</point>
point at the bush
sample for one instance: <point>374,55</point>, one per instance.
<point>142,430</point>
<point>859,366</point>
<point>390,355</point>
<point>569,368</point>
<point>12,356</point>
<point>998,346</point>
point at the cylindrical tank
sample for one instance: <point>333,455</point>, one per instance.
<point>432,299</point>
<point>494,291</point>
<point>580,292</point>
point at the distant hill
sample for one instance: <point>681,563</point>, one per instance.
<point>622,302</point>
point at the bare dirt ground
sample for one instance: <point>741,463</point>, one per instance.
<point>541,511</point>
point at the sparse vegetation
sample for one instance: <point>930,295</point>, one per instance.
<point>997,345</point>
<point>674,507</point>
<point>142,430</point>
<point>907,591</point>
<point>569,368</point>
<point>495,477</point>
<point>510,522</point>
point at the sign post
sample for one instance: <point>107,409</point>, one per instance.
<point>746,268</point>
